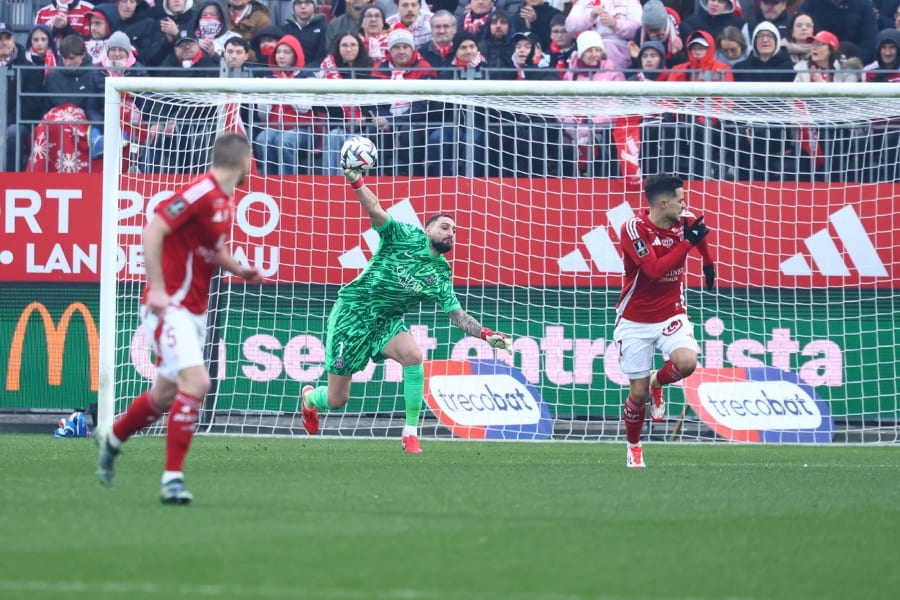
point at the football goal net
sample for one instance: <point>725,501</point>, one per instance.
<point>798,339</point>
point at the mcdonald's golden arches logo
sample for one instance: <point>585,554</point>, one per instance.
<point>56,343</point>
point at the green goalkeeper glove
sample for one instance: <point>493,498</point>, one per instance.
<point>496,340</point>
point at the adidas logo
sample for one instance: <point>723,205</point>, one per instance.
<point>601,249</point>
<point>828,259</point>
<point>355,258</point>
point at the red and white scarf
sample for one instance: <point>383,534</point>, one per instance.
<point>474,24</point>
<point>469,65</point>
<point>48,56</point>
<point>329,70</point>
<point>237,17</point>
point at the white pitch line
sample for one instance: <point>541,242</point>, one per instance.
<point>257,592</point>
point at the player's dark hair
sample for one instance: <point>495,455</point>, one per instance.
<point>436,217</point>
<point>660,184</point>
<point>230,150</point>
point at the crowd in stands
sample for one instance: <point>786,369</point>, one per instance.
<point>55,105</point>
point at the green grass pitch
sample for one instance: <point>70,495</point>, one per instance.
<point>350,519</point>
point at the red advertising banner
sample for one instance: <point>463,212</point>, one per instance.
<point>546,233</point>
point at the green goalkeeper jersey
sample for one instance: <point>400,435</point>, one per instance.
<point>402,274</point>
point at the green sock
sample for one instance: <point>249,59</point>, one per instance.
<point>413,392</point>
<point>318,398</point>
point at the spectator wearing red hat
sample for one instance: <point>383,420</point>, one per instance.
<point>849,21</point>
<point>823,148</point>
<point>824,63</point>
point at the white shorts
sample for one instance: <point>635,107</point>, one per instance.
<point>177,340</point>
<point>637,341</point>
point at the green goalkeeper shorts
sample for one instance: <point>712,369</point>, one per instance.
<point>354,336</point>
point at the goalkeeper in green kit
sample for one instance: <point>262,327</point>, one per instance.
<point>366,321</point>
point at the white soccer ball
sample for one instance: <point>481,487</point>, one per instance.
<point>358,153</point>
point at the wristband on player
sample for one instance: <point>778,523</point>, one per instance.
<point>485,332</point>
<point>357,183</point>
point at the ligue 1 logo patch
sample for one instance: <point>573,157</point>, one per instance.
<point>641,248</point>
<point>176,207</point>
<point>430,280</point>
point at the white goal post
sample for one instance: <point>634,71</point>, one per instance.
<point>799,184</point>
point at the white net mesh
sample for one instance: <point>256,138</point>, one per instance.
<point>800,193</point>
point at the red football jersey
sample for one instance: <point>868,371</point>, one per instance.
<point>654,271</point>
<point>200,218</point>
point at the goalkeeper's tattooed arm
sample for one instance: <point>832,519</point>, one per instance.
<point>367,198</point>
<point>465,322</point>
<point>472,327</point>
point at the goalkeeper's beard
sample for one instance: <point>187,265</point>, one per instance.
<point>442,247</point>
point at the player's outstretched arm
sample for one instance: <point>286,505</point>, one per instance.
<point>366,197</point>
<point>470,325</point>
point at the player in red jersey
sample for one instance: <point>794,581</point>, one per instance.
<point>184,244</point>
<point>650,313</point>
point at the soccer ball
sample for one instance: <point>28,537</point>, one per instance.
<point>358,153</point>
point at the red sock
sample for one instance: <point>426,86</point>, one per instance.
<point>669,373</point>
<point>142,412</point>
<point>634,420</point>
<point>180,430</point>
